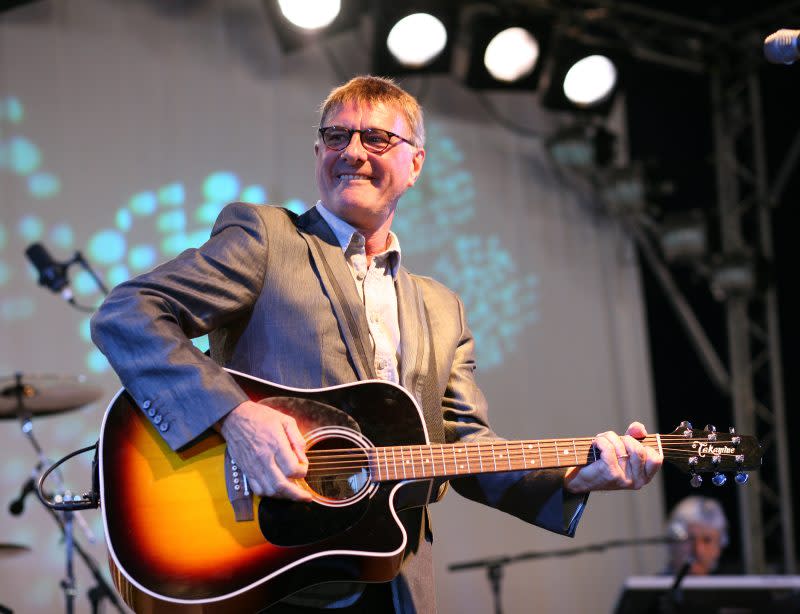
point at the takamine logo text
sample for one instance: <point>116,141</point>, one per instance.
<point>705,448</point>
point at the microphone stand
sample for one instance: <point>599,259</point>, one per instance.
<point>671,600</point>
<point>494,566</point>
<point>65,522</point>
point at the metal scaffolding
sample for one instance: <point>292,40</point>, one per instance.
<point>730,56</point>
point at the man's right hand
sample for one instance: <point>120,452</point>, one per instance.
<point>269,448</point>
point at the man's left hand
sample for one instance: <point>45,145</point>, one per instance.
<point>624,464</point>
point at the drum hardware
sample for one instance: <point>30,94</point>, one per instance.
<point>23,397</point>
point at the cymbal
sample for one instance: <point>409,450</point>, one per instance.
<point>7,550</point>
<point>43,395</point>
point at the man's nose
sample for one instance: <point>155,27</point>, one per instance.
<point>355,149</point>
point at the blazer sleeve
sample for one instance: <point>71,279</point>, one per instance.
<point>145,325</point>
<point>535,496</point>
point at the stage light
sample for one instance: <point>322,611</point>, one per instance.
<point>733,275</point>
<point>310,14</point>
<point>413,37</point>
<point>581,79</point>
<point>511,54</point>
<point>684,237</point>
<point>583,147</point>
<point>624,192</point>
<point>417,39</point>
<point>503,52</point>
<point>590,80</point>
<point>298,23</point>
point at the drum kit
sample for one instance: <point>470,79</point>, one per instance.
<point>23,397</point>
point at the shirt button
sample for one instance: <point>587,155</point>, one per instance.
<point>381,364</point>
<point>164,427</point>
<point>360,275</point>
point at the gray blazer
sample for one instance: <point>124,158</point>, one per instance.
<point>275,294</point>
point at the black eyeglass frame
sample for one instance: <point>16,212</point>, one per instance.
<point>324,129</point>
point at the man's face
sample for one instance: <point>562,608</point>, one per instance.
<point>704,545</point>
<point>357,185</point>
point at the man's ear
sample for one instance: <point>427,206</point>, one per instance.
<point>416,166</point>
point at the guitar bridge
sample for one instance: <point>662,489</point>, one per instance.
<point>239,493</point>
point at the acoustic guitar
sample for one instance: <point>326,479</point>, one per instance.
<point>185,533</point>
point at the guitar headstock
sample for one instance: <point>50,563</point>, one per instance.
<point>698,451</point>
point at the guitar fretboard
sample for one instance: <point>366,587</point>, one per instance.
<point>445,460</point>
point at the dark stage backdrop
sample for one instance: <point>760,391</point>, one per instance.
<point>123,131</point>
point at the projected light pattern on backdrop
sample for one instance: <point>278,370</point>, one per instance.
<point>19,155</point>
<point>155,224</point>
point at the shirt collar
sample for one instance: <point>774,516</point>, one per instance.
<point>345,234</point>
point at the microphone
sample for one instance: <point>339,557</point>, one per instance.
<point>18,504</point>
<point>52,275</point>
<point>781,47</point>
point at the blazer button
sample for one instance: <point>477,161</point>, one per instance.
<point>163,427</point>
<point>146,404</point>
<point>151,412</point>
<point>157,419</point>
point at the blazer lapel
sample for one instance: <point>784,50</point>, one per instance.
<point>411,315</point>
<point>341,290</point>
<point>418,372</point>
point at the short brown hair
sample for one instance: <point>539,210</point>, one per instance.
<point>371,89</point>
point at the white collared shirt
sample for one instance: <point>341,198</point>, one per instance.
<point>375,284</point>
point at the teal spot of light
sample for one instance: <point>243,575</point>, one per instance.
<point>96,362</point>
<point>85,330</point>
<point>117,274</point>
<point>174,244</point>
<point>43,185</point>
<point>124,220</point>
<point>24,156</point>
<point>107,247</point>
<point>30,228</point>
<point>171,221</point>
<point>61,235</point>
<point>172,194</point>
<point>83,283</point>
<point>143,203</point>
<point>201,343</point>
<point>198,237</point>
<point>221,186</point>
<point>207,212</point>
<point>141,257</point>
<point>296,206</point>
<point>13,110</point>
<point>254,194</point>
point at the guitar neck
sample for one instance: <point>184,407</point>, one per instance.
<point>449,460</point>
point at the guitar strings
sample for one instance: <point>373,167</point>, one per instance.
<point>472,455</point>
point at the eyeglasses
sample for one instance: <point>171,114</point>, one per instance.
<point>372,139</point>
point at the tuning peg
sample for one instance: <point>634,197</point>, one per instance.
<point>731,430</point>
<point>719,479</point>
<point>696,480</point>
<point>741,477</point>
<point>687,428</point>
<point>711,428</point>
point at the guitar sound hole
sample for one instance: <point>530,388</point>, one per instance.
<point>338,469</point>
